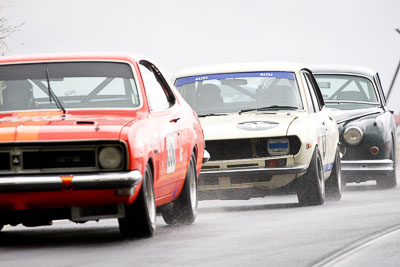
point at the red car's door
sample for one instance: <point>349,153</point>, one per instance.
<point>164,113</point>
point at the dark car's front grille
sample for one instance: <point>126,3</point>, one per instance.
<point>52,157</point>
<point>245,148</point>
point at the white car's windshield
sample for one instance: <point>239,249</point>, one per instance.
<point>236,92</point>
<point>347,91</point>
<point>75,85</point>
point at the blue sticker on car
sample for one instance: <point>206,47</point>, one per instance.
<point>328,167</point>
<point>278,145</point>
<point>275,74</point>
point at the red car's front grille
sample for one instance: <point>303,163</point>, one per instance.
<point>74,157</point>
<point>5,161</point>
<point>59,159</point>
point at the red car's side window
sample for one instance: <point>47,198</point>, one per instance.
<point>158,95</point>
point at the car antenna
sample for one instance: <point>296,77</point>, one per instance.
<point>394,77</point>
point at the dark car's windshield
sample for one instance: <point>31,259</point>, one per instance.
<point>344,91</point>
<point>76,84</point>
<point>234,92</point>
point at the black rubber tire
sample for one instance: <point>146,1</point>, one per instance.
<point>389,180</point>
<point>334,185</point>
<point>184,209</point>
<point>140,216</point>
<point>311,186</point>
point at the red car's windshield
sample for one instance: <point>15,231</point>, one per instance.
<point>73,84</point>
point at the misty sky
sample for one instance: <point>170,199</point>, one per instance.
<point>178,34</point>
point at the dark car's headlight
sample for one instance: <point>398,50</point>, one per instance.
<point>110,157</point>
<point>278,146</point>
<point>353,135</point>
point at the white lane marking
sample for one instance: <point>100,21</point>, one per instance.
<point>353,247</point>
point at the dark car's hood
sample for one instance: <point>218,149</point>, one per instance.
<point>353,114</point>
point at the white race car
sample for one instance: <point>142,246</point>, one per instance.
<point>266,127</point>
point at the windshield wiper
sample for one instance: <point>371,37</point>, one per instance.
<point>52,95</point>
<point>338,102</point>
<point>211,114</point>
<point>268,108</point>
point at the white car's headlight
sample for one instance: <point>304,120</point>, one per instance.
<point>110,157</point>
<point>353,135</point>
<point>278,146</point>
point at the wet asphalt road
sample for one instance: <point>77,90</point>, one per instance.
<point>273,231</point>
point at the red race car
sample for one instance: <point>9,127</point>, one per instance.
<point>92,137</point>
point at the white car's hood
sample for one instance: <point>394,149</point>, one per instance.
<point>248,125</point>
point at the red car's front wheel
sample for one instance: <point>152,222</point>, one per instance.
<point>140,216</point>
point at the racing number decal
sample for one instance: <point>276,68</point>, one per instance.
<point>171,148</point>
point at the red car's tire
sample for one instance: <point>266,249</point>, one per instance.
<point>184,209</point>
<point>140,216</point>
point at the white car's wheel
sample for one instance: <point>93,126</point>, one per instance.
<point>140,217</point>
<point>184,209</point>
<point>334,184</point>
<point>311,187</point>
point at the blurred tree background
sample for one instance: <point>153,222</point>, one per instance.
<point>5,31</point>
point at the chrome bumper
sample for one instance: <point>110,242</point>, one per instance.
<point>266,170</point>
<point>32,183</point>
<point>227,179</point>
<point>367,165</point>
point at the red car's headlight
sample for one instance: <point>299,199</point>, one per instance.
<point>110,157</point>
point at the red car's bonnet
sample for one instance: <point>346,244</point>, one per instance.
<point>28,126</point>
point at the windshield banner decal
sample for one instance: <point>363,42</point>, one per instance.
<point>199,78</point>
